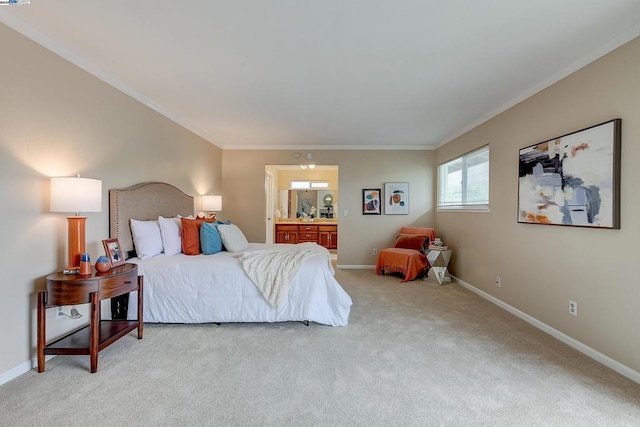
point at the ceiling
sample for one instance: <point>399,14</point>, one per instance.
<point>332,74</point>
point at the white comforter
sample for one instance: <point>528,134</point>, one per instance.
<point>215,288</point>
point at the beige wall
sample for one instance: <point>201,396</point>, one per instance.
<point>358,234</point>
<point>56,120</point>
<point>543,267</point>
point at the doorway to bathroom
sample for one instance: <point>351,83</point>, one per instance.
<point>296,195</point>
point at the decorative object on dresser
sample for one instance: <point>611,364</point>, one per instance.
<point>75,195</point>
<point>408,256</point>
<point>213,285</point>
<point>113,252</point>
<point>437,245</point>
<point>85,265</point>
<point>102,264</point>
<point>82,289</point>
<point>572,179</point>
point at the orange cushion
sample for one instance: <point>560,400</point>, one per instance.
<point>410,241</point>
<point>423,231</point>
<point>191,234</point>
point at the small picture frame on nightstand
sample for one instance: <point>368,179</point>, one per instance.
<point>113,252</point>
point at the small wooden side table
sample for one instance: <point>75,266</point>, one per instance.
<point>78,289</point>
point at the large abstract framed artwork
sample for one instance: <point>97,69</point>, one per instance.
<point>396,198</point>
<point>573,179</point>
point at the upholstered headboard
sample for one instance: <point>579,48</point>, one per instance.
<point>144,201</point>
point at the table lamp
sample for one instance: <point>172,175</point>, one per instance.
<point>75,194</point>
<point>212,204</point>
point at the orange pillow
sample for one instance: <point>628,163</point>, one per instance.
<point>191,234</point>
<point>411,241</point>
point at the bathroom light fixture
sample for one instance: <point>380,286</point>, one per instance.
<point>308,156</point>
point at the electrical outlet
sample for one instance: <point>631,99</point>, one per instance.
<point>499,281</point>
<point>573,308</point>
<point>375,252</point>
<point>59,313</point>
<point>345,212</point>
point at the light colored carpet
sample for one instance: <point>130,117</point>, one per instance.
<point>413,354</point>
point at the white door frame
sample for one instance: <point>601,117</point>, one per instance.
<point>269,184</point>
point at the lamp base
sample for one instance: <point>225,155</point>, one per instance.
<point>71,270</point>
<point>76,226</point>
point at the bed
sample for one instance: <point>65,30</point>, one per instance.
<point>215,288</point>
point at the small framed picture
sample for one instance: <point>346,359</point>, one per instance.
<point>371,201</point>
<point>396,198</point>
<point>113,252</point>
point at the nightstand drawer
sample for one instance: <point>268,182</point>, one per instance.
<point>114,286</point>
<point>78,292</point>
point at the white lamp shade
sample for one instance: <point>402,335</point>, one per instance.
<point>75,194</point>
<point>211,203</point>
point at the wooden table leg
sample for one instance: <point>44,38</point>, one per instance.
<point>42,329</point>
<point>140,321</point>
<point>94,333</point>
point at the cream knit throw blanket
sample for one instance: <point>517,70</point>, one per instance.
<point>273,269</point>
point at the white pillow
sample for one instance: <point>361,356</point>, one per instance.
<point>232,237</point>
<point>171,233</point>
<point>146,238</point>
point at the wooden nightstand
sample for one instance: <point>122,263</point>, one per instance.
<point>76,289</point>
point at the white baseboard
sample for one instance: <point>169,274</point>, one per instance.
<point>571,342</point>
<point>22,368</point>
<point>356,267</point>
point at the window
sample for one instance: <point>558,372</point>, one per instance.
<point>296,185</point>
<point>463,183</point>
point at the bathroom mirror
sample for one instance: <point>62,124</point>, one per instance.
<point>301,201</point>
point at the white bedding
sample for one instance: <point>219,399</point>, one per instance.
<point>215,288</point>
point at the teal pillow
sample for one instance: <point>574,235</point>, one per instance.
<point>210,241</point>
